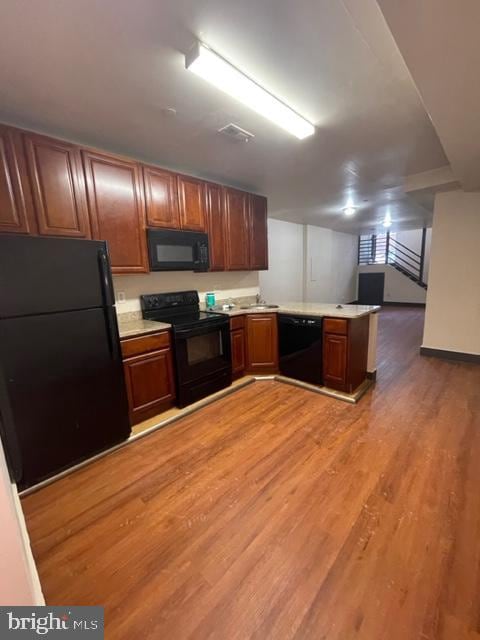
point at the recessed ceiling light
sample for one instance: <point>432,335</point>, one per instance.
<point>211,67</point>
<point>387,222</point>
<point>349,211</point>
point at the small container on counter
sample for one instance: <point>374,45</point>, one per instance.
<point>209,300</point>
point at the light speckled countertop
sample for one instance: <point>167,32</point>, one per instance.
<point>132,324</point>
<point>311,309</point>
<point>130,327</point>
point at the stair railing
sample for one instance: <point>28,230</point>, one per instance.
<point>409,261</point>
<point>385,249</point>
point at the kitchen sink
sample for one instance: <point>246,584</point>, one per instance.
<point>260,306</point>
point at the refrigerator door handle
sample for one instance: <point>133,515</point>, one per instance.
<point>8,435</point>
<point>106,277</point>
<point>112,330</point>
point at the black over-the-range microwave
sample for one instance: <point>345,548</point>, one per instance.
<point>177,250</point>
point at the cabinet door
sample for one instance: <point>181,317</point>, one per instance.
<point>216,227</point>
<point>335,360</point>
<point>258,233</point>
<point>117,210</point>
<point>262,343</point>
<point>150,386</point>
<point>58,187</point>
<point>191,202</point>
<point>237,230</point>
<point>238,352</point>
<point>16,211</point>
<point>161,198</point>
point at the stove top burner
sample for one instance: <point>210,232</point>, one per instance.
<point>178,309</point>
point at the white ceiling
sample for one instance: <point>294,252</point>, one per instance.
<point>103,73</point>
<point>439,41</point>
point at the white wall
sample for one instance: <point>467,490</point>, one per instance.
<point>398,288</point>
<point>452,320</point>
<point>225,285</point>
<point>428,249</point>
<point>19,584</point>
<point>330,265</point>
<point>412,238</point>
<point>283,282</point>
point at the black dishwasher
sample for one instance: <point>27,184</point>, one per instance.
<point>300,343</point>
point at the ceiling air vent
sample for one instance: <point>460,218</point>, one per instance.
<point>235,132</point>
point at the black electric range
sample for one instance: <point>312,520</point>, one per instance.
<point>201,341</point>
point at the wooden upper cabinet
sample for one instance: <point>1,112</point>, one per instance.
<point>191,202</point>
<point>216,227</point>
<point>161,198</point>
<point>117,209</point>
<point>16,212</point>
<point>58,187</point>
<point>237,236</point>
<point>258,233</point>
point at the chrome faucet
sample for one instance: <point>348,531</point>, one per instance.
<point>259,299</point>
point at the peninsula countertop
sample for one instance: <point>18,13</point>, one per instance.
<point>318,309</point>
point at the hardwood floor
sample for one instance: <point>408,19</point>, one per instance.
<point>278,513</point>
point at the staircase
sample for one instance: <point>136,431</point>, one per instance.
<point>384,249</point>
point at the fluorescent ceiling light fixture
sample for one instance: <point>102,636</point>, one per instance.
<point>388,220</point>
<point>211,67</point>
<point>349,211</point>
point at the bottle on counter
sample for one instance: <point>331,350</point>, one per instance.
<point>209,300</point>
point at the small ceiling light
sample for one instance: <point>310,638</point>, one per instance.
<point>211,67</point>
<point>349,211</point>
<point>387,222</point>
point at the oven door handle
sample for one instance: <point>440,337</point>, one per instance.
<point>200,331</point>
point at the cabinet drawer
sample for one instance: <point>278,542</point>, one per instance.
<point>144,344</point>
<point>335,325</point>
<point>237,322</point>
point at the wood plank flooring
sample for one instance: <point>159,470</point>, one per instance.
<point>277,513</point>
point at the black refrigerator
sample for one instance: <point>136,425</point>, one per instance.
<point>62,391</point>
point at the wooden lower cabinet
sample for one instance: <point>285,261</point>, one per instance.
<point>254,342</point>
<point>345,352</point>
<point>261,343</point>
<point>238,352</point>
<point>335,360</point>
<point>148,377</point>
